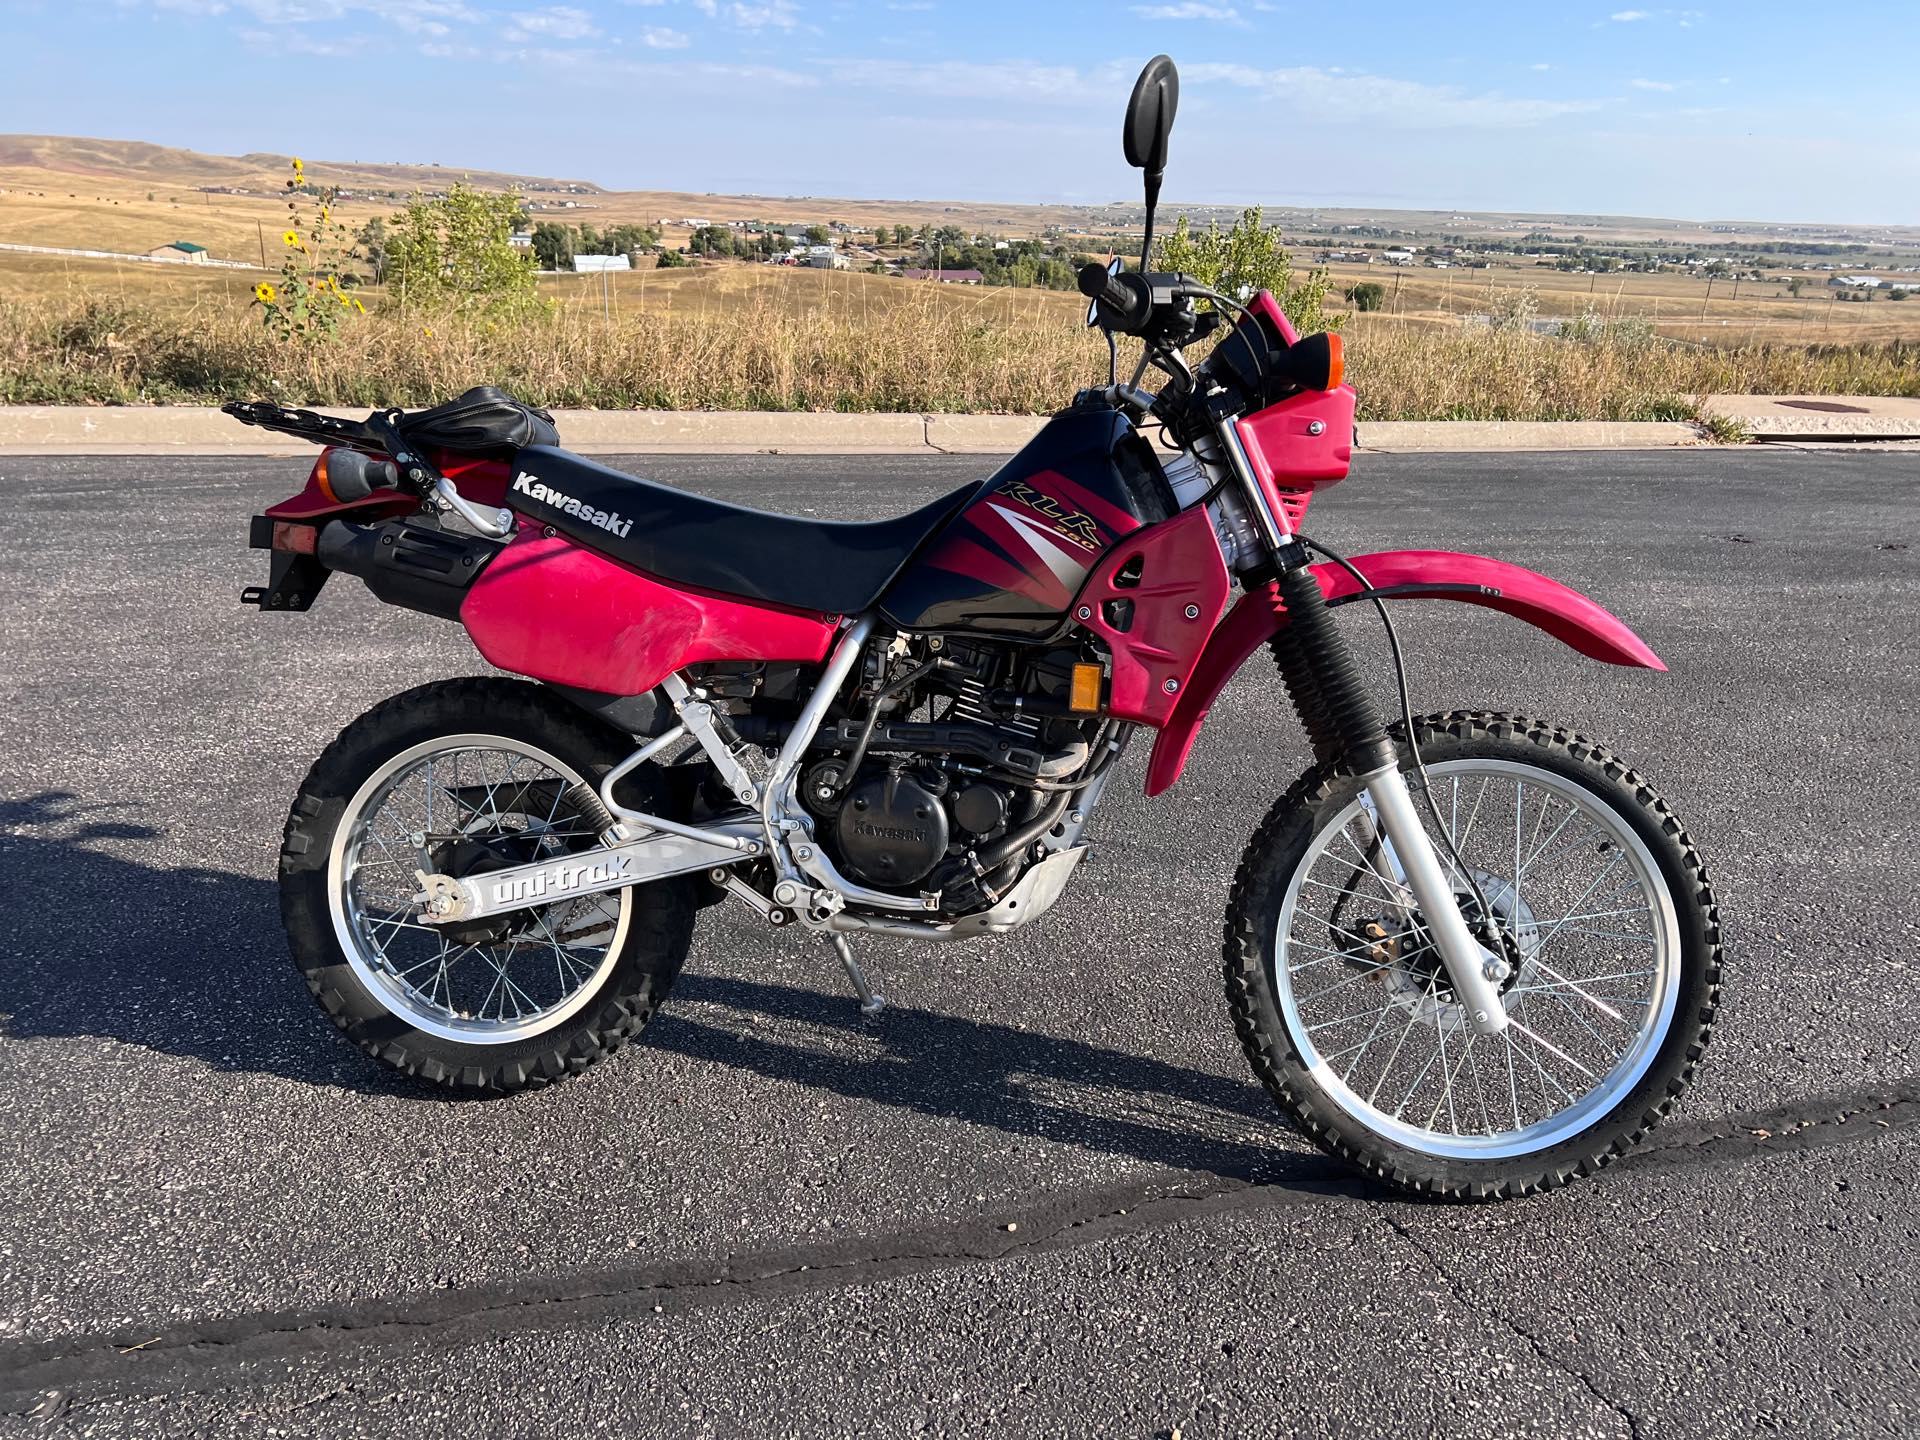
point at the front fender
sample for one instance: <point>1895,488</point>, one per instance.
<point>1561,611</point>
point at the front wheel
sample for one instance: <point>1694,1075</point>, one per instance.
<point>1601,906</point>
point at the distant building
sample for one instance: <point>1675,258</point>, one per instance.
<point>595,264</point>
<point>947,277</point>
<point>825,257</point>
<point>1855,282</point>
<point>181,250</point>
<point>520,242</point>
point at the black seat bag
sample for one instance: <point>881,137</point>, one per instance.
<point>485,421</point>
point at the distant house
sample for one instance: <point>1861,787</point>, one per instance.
<point>181,250</point>
<point>1855,282</point>
<point>520,242</point>
<point>947,277</point>
<point>825,257</point>
<point>594,264</point>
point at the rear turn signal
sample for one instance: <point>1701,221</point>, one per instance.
<point>1336,362</point>
<point>1085,696</point>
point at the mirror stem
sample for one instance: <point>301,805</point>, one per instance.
<point>1153,199</point>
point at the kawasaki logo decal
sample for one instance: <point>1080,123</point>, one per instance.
<point>609,521</point>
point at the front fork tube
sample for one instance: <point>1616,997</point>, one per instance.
<point>1470,966</point>
<point>1344,727</point>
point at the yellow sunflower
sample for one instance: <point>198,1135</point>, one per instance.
<point>290,238</point>
<point>297,166</point>
<point>264,293</point>
<point>358,306</point>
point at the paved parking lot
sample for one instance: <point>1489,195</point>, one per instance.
<point>1045,1195</point>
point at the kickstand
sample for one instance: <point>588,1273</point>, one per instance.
<point>870,1003</point>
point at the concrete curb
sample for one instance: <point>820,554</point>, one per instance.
<point>203,430</point>
<point>1820,417</point>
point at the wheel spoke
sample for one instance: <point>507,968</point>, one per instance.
<point>512,806</point>
<point>1407,1063</point>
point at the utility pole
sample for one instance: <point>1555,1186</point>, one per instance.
<point>1703,303</point>
<point>261,228</point>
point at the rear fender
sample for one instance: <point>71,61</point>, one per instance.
<point>1561,611</point>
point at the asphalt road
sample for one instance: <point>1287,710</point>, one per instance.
<point>1045,1196</point>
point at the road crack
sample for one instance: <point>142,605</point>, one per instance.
<point>1513,1327</point>
<point>180,1357</point>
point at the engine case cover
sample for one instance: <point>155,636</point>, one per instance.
<point>892,830</point>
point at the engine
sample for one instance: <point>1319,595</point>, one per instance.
<point>942,768</point>
<point>945,764</point>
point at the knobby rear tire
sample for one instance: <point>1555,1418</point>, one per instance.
<point>658,933</point>
<point>1283,842</point>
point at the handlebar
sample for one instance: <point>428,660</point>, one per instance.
<point>1125,297</point>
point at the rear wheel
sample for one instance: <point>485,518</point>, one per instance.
<point>460,778</point>
<point>1602,909</point>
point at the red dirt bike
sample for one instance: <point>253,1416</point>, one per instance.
<point>904,728</point>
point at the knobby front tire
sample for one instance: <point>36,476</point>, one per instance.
<point>1610,925</point>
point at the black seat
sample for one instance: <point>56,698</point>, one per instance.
<point>675,535</point>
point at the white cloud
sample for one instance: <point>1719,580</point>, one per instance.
<point>1660,85</point>
<point>772,15</point>
<point>1540,65</point>
<point>1685,19</point>
<point>1330,95</point>
<point>1020,80</point>
<point>555,22</point>
<point>660,37</point>
<point>1189,10</point>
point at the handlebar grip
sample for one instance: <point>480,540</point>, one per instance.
<point>1123,295</point>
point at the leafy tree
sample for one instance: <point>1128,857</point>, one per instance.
<point>903,235</point>
<point>455,252</point>
<point>672,260</point>
<point>711,240</point>
<point>816,235</point>
<point>370,245</point>
<point>1246,258</point>
<point>631,239</point>
<point>553,245</point>
<point>1367,295</point>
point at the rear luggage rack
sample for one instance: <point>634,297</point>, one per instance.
<point>482,422</point>
<point>304,424</point>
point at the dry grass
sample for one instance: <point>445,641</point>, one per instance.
<point>1679,306</point>
<point>923,350</point>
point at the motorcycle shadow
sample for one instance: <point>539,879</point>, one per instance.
<point>191,962</point>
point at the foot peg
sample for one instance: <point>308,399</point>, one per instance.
<point>870,1003</point>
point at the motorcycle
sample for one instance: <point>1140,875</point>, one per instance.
<point>1472,953</point>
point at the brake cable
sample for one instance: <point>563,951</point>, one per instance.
<point>1488,917</point>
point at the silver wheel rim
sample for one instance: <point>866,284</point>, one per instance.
<point>463,790</point>
<point>1592,999</point>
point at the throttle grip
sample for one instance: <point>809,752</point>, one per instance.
<point>1123,296</point>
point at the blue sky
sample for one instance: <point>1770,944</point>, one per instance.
<point>1751,111</point>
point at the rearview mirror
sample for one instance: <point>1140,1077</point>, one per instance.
<point>1156,96</point>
